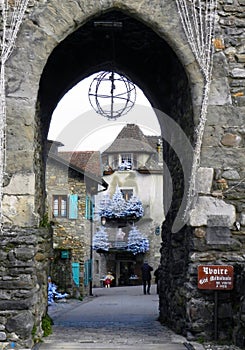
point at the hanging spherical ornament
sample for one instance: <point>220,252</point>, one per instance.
<point>111,94</point>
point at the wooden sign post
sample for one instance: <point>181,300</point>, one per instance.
<point>215,277</point>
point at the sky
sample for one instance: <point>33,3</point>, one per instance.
<point>80,128</point>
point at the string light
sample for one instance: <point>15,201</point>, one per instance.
<point>198,20</point>
<point>9,35</point>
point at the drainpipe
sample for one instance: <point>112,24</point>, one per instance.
<point>91,258</point>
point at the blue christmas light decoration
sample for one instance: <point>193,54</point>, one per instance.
<point>134,208</point>
<point>118,204</point>
<point>100,240</point>
<point>119,208</point>
<point>136,242</point>
<point>105,207</point>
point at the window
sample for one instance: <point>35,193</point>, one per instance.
<point>127,193</point>
<point>60,206</point>
<point>125,161</point>
<point>65,206</point>
<point>97,267</point>
<point>126,157</point>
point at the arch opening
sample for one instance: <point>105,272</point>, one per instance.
<point>149,62</point>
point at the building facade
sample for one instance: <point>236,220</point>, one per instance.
<point>70,198</point>
<point>132,165</point>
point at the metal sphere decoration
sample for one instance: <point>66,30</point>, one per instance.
<point>111,94</point>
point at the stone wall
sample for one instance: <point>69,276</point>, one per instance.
<point>68,234</point>
<point>24,258</point>
<point>30,103</point>
<point>216,227</point>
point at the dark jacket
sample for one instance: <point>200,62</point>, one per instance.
<point>146,272</point>
<point>157,274</point>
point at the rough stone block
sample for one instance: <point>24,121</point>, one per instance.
<point>231,175</point>
<point>218,235</point>
<point>3,336</point>
<point>20,210</point>
<point>21,324</point>
<point>238,73</point>
<point>220,93</point>
<point>242,219</point>
<point>207,206</point>
<point>21,184</point>
<point>231,140</point>
<point>218,220</point>
<point>205,179</point>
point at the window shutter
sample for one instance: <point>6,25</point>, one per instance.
<point>89,214</point>
<point>73,206</point>
<point>76,273</point>
<point>87,208</point>
<point>92,210</point>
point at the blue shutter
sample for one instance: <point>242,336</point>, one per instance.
<point>89,214</point>
<point>73,206</point>
<point>76,273</point>
<point>88,273</point>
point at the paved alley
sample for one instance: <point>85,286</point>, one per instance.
<point>115,318</point>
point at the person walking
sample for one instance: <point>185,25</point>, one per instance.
<point>146,277</point>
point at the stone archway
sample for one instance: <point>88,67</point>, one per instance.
<point>59,51</point>
<point>45,64</point>
<point>150,62</point>
<point>39,37</point>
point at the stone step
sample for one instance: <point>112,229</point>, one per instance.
<point>98,346</point>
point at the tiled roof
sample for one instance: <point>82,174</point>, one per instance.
<point>87,161</point>
<point>130,139</point>
<point>153,140</point>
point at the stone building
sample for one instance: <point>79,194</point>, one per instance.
<point>132,164</point>
<point>58,45</point>
<point>71,188</point>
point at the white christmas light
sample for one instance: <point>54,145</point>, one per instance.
<point>118,207</point>
<point>10,27</point>
<point>136,242</point>
<point>198,18</point>
<point>100,240</point>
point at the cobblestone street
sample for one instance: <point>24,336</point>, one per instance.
<point>114,318</point>
<point>117,316</point>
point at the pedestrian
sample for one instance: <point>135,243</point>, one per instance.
<point>146,277</point>
<point>157,277</point>
<point>108,280</point>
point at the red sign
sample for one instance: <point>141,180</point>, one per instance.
<point>216,277</point>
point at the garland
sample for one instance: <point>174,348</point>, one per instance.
<point>12,16</point>
<point>198,20</point>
